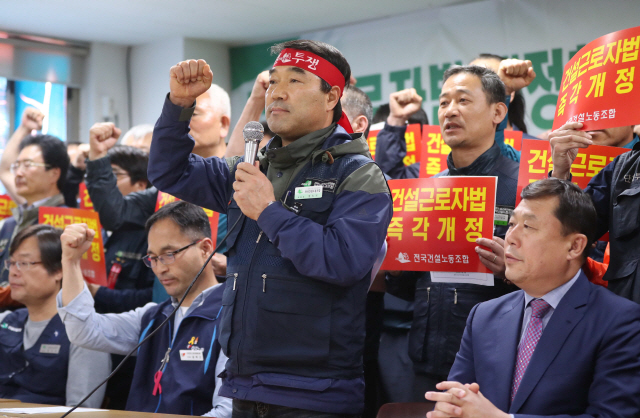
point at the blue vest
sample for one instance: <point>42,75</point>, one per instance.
<point>276,320</point>
<point>187,386</point>
<point>39,374</point>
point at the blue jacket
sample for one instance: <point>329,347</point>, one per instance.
<point>31,375</point>
<point>615,192</point>
<point>441,309</point>
<point>298,276</point>
<point>586,363</point>
<point>187,386</point>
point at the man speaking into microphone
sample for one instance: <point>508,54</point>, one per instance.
<point>311,214</point>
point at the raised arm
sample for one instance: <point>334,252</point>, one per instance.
<point>251,112</point>
<point>112,333</point>
<point>31,120</point>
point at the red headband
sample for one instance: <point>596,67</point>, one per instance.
<point>319,66</point>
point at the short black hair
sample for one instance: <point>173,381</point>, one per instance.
<point>492,86</point>
<point>132,160</point>
<point>54,153</point>
<point>358,103</point>
<point>326,51</point>
<point>575,209</point>
<point>191,219</point>
<point>48,242</point>
<point>383,112</point>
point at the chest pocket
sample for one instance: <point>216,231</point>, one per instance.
<point>233,213</point>
<point>319,209</point>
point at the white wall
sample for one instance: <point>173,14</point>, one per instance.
<point>216,55</point>
<point>105,77</point>
<point>150,64</point>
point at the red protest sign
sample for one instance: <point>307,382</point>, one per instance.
<point>513,138</point>
<point>413,138</point>
<point>6,204</point>
<point>597,86</point>
<point>436,222</point>
<point>85,200</point>
<point>535,163</point>
<point>93,264</point>
<point>434,151</point>
<point>166,198</point>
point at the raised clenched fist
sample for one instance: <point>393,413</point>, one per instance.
<point>76,240</point>
<point>32,119</point>
<point>188,80</point>
<point>102,137</point>
<point>516,74</point>
<point>402,105</point>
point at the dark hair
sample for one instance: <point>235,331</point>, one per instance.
<point>356,102</point>
<point>517,110</point>
<point>48,242</point>
<point>492,86</point>
<point>190,218</point>
<point>132,160</point>
<point>383,112</point>
<point>326,51</point>
<point>575,210</point>
<point>54,153</point>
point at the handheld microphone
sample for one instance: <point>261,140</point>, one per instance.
<point>253,133</point>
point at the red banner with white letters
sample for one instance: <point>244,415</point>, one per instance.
<point>413,138</point>
<point>597,86</point>
<point>93,264</point>
<point>436,222</point>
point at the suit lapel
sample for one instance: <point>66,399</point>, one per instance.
<point>507,334</point>
<point>564,319</point>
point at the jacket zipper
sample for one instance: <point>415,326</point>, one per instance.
<point>235,279</point>
<point>455,296</point>
<point>264,283</point>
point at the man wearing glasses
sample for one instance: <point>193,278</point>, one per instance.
<point>176,371</point>
<point>40,172</point>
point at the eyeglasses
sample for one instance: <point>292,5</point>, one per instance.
<point>166,258</point>
<point>21,265</point>
<point>27,164</point>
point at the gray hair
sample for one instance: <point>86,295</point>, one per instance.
<point>220,100</point>
<point>137,132</point>
<point>492,86</point>
<point>355,102</point>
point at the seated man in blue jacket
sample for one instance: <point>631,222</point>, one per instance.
<point>38,364</point>
<point>176,371</point>
<point>559,347</point>
<point>306,224</point>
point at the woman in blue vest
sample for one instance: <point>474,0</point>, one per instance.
<point>37,362</point>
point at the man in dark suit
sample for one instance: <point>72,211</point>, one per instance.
<point>559,347</point>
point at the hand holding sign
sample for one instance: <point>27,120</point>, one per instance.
<point>188,80</point>
<point>565,143</point>
<point>402,105</point>
<point>516,74</point>
<point>102,137</point>
<point>76,240</point>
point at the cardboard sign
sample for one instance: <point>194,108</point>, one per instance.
<point>6,204</point>
<point>536,163</point>
<point>436,222</point>
<point>434,152</point>
<point>85,200</point>
<point>166,198</point>
<point>598,83</point>
<point>413,137</point>
<point>513,138</point>
<point>93,264</point>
